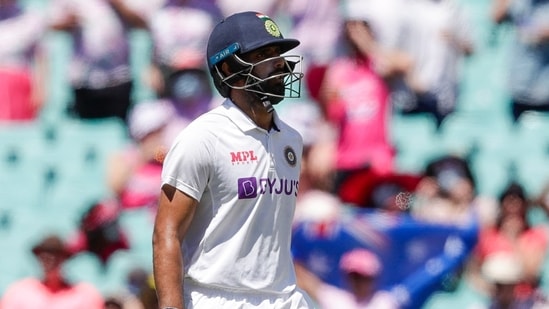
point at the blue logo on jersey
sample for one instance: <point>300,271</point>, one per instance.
<point>251,187</point>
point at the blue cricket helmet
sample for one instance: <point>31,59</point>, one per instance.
<point>242,33</point>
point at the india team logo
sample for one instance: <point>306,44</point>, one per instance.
<point>290,155</point>
<point>270,25</point>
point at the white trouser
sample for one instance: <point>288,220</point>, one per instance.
<point>199,296</point>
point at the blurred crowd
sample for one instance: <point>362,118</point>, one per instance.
<point>367,64</point>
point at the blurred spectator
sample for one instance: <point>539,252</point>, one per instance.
<point>147,294</point>
<point>100,73</point>
<point>129,297</point>
<point>52,291</point>
<point>190,94</point>
<point>179,33</point>
<point>139,292</point>
<point>141,288</point>
<point>113,303</point>
<point>123,302</point>
<point>438,35</point>
<point>99,232</point>
<point>307,19</point>
<point>316,172</point>
<point>504,273</point>
<point>513,234</point>
<point>384,43</point>
<point>209,6</point>
<point>529,63</point>
<point>133,174</point>
<point>360,268</point>
<point>229,7</point>
<point>355,100</point>
<point>21,61</point>
<point>315,201</point>
<point>447,194</point>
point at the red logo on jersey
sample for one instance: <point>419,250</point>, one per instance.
<point>243,157</point>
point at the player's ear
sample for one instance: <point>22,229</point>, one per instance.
<point>226,69</point>
<point>230,67</point>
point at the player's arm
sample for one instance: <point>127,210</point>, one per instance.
<point>175,213</point>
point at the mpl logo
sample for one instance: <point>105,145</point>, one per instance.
<point>243,157</point>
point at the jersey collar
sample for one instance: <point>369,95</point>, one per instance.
<point>242,121</point>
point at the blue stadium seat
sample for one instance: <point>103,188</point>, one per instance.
<point>24,228</point>
<point>492,172</point>
<point>544,284</point>
<point>532,132</point>
<point>58,49</point>
<point>533,173</point>
<point>141,45</point>
<point>138,224</point>
<point>85,267</point>
<point>466,296</point>
<point>16,262</point>
<point>531,150</point>
<point>119,267</point>
<point>79,156</point>
<point>22,149</point>
<point>463,132</point>
<point>416,141</point>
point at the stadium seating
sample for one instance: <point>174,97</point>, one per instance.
<point>51,169</point>
<point>22,148</point>
<point>415,139</point>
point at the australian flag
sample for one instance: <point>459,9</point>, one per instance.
<point>418,258</point>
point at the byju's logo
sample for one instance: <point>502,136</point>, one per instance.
<point>247,188</point>
<point>251,187</point>
<point>243,157</point>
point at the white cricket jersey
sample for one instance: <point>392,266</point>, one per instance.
<point>245,179</point>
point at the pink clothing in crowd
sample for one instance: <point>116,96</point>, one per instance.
<point>358,106</point>
<point>141,190</point>
<point>31,294</point>
<point>16,95</point>
<point>492,241</point>
<point>20,35</point>
<point>533,240</point>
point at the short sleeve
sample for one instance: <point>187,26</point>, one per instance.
<point>188,163</point>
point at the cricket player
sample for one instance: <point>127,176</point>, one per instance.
<point>230,180</point>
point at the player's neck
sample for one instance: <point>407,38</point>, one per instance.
<point>253,108</point>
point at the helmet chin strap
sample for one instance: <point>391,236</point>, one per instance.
<point>267,103</point>
<point>265,99</point>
